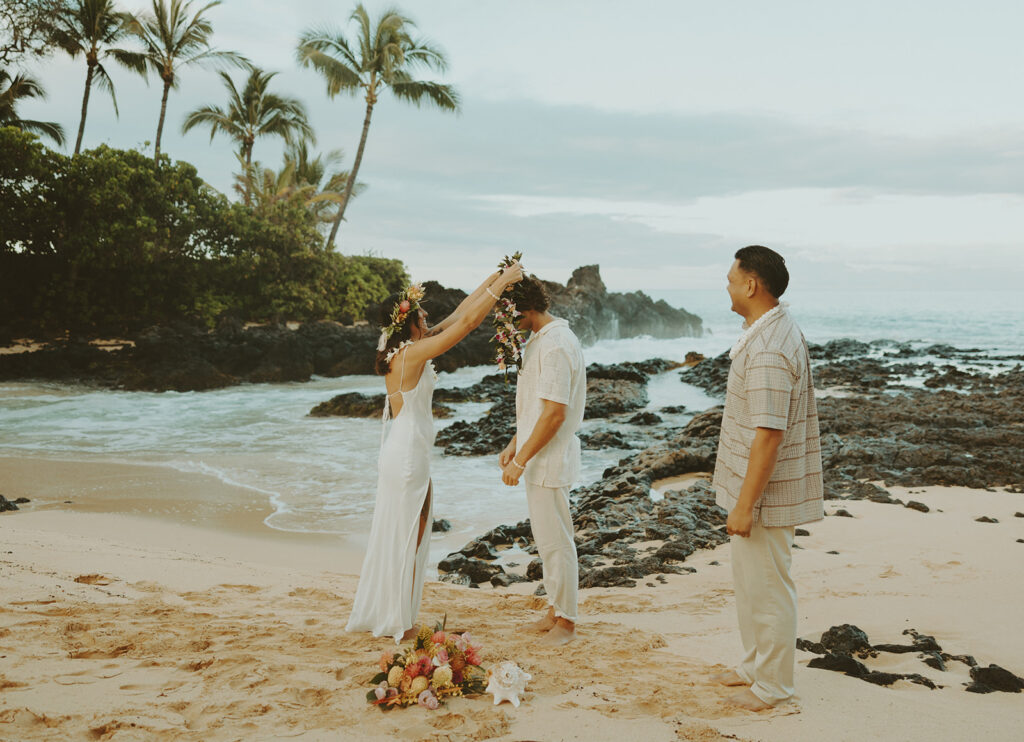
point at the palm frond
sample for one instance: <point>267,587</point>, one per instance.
<point>444,97</point>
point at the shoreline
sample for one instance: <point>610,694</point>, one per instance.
<point>123,627</point>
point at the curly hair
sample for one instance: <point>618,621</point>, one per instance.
<point>381,364</point>
<point>530,294</point>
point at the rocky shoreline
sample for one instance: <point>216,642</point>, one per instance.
<point>182,357</point>
<point>891,415</point>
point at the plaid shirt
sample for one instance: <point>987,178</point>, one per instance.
<point>770,386</point>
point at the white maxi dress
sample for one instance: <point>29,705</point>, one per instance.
<point>391,581</point>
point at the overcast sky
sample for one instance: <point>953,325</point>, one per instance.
<point>876,145</point>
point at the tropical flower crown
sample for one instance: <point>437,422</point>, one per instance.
<point>408,301</point>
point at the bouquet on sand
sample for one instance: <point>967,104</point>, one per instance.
<point>439,664</point>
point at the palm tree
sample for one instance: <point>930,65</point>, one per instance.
<point>171,41</point>
<point>252,113</point>
<point>90,28</point>
<point>328,189</point>
<point>22,87</point>
<point>302,176</point>
<point>383,55</point>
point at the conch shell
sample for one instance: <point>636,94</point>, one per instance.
<point>507,681</point>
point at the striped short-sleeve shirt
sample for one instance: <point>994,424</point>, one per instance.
<point>770,386</point>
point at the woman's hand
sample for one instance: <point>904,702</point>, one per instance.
<point>512,274</point>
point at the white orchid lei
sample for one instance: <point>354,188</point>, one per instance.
<point>750,330</point>
<point>508,339</point>
<point>408,301</point>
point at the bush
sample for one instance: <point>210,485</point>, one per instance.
<point>109,239</point>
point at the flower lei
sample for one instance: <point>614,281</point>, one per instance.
<point>408,301</point>
<point>508,339</point>
<point>438,665</point>
<point>749,331</point>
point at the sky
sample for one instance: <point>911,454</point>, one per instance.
<point>876,145</point>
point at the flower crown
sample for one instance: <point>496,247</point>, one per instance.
<point>408,301</point>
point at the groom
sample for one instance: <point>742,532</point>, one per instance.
<point>551,391</point>
<point>767,475</point>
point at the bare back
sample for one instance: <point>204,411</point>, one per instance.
<point>401,379</point>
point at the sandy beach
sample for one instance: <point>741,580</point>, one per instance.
<point>142,625</point>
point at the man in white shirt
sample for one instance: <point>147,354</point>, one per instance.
<point>551,392</point>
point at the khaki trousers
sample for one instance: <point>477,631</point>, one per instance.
<point>553,533</point>
<point>766,608</point>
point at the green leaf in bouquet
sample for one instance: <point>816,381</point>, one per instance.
<point>379,678</point>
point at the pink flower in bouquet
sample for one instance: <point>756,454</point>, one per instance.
<point>439,637</point>
<point>441,658</point>
<point>381,690</point>
<point>385,660</point>
<point>461,642</point>
<point>404,306</point>
<point>428,700</point>
<point>472,657</point>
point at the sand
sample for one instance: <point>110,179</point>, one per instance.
<point>118,626</point>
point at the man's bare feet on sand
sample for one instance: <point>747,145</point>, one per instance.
<point>543,625</point>
<point>747,700</point>
<point>560,634</point>
<point>411,633</point>
<point>729,677</point>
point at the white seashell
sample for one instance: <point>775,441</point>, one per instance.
<point>507,681</point>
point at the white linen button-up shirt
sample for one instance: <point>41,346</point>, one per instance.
<point>553,369</point>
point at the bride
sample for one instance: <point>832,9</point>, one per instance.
<point>391,581</point>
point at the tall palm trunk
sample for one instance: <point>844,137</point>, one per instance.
<point>352,175</point>
<point>85,105</point>
<point>160,124</point>
<point>247,149</point>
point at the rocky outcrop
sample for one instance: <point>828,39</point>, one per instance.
<point>595,314</point>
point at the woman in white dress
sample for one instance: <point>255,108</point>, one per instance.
<point>391,582</point>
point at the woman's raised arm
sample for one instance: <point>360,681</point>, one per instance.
<point>466,318</point>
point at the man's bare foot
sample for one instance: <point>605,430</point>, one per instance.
<point>411,633</point>
<point>560,634</point>
<point>729,677</point>
<point>543,625</point>
<point>747,700</point>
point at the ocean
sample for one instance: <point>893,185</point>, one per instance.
<point>319,474</point>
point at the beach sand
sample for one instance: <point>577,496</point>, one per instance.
<point>146,626</point>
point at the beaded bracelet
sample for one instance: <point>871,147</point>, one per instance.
<point>493,295</point>
<point>516,463</point>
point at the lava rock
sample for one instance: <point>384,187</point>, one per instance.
<point>845,639</point>
<point>6,505</point>
<point>606,397</point>
<point>644,418</point>
<point>919,506</point>
<point>477,570</point>
<point>441,525</point>
<point>985,519</point>
<point>994,678</point>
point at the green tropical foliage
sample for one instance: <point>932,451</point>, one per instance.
<point>383,54</point>
<point>91,28</point>
<point>252,112</point>
<point>172,40</point>
<point>18,88</point>
<point>110,240</point>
